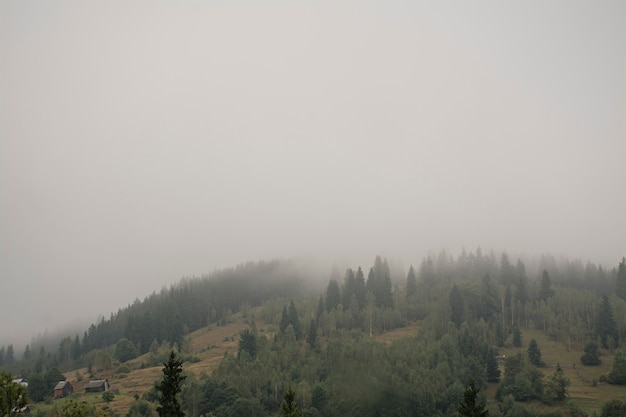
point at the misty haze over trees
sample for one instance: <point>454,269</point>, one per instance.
<point>465,308</point>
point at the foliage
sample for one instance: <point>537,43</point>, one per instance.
<point>12,395</point>
<point>534,354</point>
<point>493,371</point>
<point>617,375</point>
<point>456,306</point>
<point>620,287</point>
<point>125,350</point>
<point>140,408</point>
<point>591,357</point>
<point>247,343</point>
<point>108,396</point>
<point>606,328</point>
<point>469,408</point>
<point>614,408</point>
<point>170,386</point>
<point>289,408</point>
<point>517,336</point>
<point>73,408</point>
<point>556,385</point>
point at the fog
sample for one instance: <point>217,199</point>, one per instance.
<point>141,142</point>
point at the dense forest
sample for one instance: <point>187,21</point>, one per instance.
<point>318,342</point>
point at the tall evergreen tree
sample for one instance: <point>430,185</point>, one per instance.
<point>360,287</point>
<point>517,336</point>
<point>349,288</point>
<point>617,375</point>
<point>606,328</point>
<point>170,387</point>
<point>620,287</point>
<point>493,371</point>
<point>456,306</point>
<point>333,295</point>
<point>557,383</point>
<point>534,354</point>
<point>247,343</point>
<point>469,407</point>
<point>545,289</point>
<point>411,283</point>
<point>294,320</point>
<point>289,408</point>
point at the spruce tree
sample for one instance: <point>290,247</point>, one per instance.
<point>606,329</point>
<point>534,354</point>
<point>620,287</point>
<point>170,386</point>
<point>411,283</point>
<point>469,408</point>
<point>617,375</point>
<point>289,408</point>
<point>517,337</point>
<point>493,371</point>
<point>545,291</point>
<point>456,306</point>
<point>556,386</point>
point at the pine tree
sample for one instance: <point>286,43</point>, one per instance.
<point>469,408</point>
<point>247,343</point>
<point>312,334</point>
<point>289,408</point>
<point>333,295</point>
<point>557,383</point>
<point>294,320</point>
<point>170,386</point>
<point>620,287</point>
<point>617,375</point>
<point>456,306</point>
<point>534,354</point>
<point>606,329</point>
<point>517,337</point>
<point>411,283</point>
<point>545,291</point>
<point>493,371</point>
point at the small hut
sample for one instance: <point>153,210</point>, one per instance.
<point>63,389</point>
<point>98,385</point>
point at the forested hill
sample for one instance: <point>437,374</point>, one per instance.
<point>169,314</point>
<point>196,302</point>
<point>319,340</point>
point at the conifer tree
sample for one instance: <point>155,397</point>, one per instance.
<point>606,329</point>
<point>247,343</point>
<point>456,306</point>
<point>289,408</point>
<point>534,354</point>
<point>545,291</point>
<point>294,320</point>
<point>517,337</point>
<point>620,287</point>
<point>469,408</point>
<point>411,283</point>
<point>591,357</point>
<point>617,375</point>
<point>557,383</point>
<point>170,387</point>
<point>493,371</point>
<point>333,295</point>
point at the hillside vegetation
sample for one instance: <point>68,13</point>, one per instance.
<point>367,345</point>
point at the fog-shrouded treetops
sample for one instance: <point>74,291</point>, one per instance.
<point>195,302</point>
<point>467,308</point>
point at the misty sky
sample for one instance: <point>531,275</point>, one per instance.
<point>145,141</point>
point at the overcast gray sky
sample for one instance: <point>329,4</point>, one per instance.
<point>145,141</point>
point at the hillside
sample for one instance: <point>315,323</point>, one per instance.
<point>210,344</point>
<point>412,348</point>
